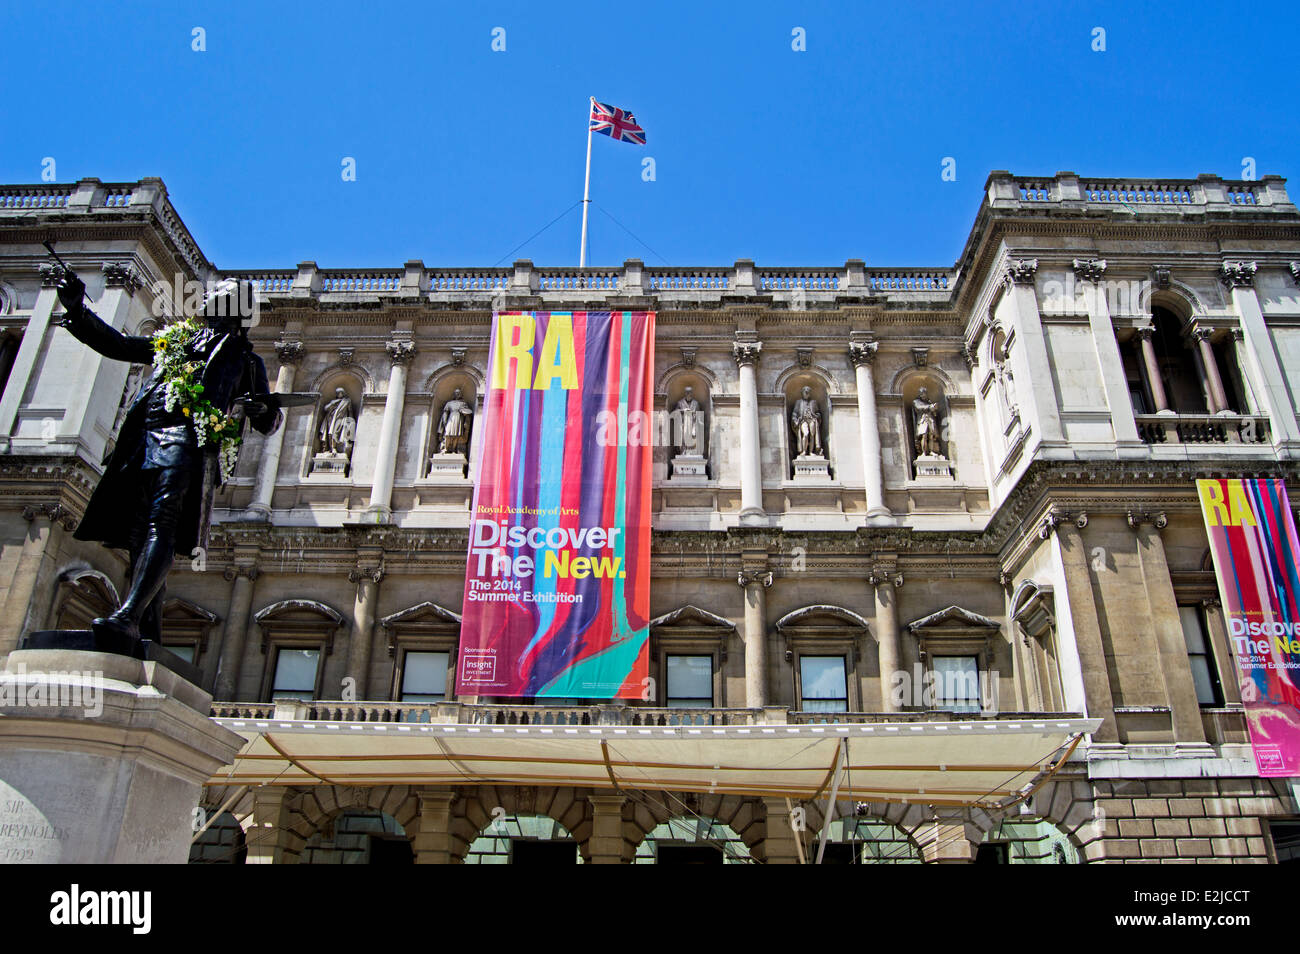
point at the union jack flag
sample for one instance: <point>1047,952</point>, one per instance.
<point>616,123</point>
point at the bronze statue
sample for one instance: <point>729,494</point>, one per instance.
<point>179,436</point>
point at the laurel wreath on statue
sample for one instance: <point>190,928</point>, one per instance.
<point>184,390</point>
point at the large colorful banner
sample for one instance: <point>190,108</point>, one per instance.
<point>1256,559</point>
<point>557,587</point>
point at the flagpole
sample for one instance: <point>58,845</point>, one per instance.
<point>586,193</point>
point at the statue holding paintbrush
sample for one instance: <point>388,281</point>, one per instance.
<point>177,444</point>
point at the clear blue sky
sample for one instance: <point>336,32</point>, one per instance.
<point>760,151</point>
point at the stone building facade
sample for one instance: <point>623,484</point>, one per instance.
<point>1004,499</point>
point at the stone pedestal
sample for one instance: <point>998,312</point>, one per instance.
<point>690,465</point>
<point>447,467</point>
<point>102,758</point>
<point>332,464</point>
<point>932,465</point>
<point>812,469</point>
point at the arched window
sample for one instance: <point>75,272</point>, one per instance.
<point>523,840</point>
<point>359,837</point>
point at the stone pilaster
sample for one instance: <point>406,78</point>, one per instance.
<point>780,845</point>
<point>267,833</point>
<point>1180,690</point>
<point>433,840</point>
<point>1042,401</point>
<point>886,581</point>
<point>607,846</point>
<point>1113,380</point>
<point>290,353</point>
<point>1266,374</point>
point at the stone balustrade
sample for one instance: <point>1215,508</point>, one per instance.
<point>1203,428</point>
<point>453,713</point>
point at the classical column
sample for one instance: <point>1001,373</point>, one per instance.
<point>1266,372</point>
<point>886,581</point>
<point>243,573</point>
<point>754,583</point>
<point>290,354</point>
<point>863,355</point>
<point>432,841</point>
<point>751,474</point>
<point>1151,369</point>
<point>367,577</point>
<point>1089,272</point>
<point>1167,627</point>
<point>381,494</point>
<point>606,845</point>
<point>1215,390</point>
<point>1086,626</point>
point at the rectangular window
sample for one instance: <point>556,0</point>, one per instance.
<point>1204,672</point>
<point>825,688</point>
<point>690,682</point>
<point>956,683</point>
<point>295,674</point>
<point>424,677</point>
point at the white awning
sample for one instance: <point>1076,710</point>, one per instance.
<point>935,762</point>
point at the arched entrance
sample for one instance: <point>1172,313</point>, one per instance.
<point>524,840</point>
<point>1031,841</point>
<point>867,841</point>
<point>359,837</point>
<point>692,840</point>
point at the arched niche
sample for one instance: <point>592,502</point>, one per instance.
<point>688,434</point>
<point>83,594</point>
<point>442,386</point>
<point>324,456</point>
<point>816,464</point>
<point>934,459</point>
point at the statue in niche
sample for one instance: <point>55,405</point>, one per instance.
<point>926,426</point>
<point>806,420</point>
<point>338,427</point>
<point>454,425</point>
<point>690,439</point>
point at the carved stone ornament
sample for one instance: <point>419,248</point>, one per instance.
<point>1089,269</point>
<point>289,352</point>
<point>746,352</point>
<point>122,275</point>
<point>1238,274</point>
<point>401,351</point>
<point>1161,276</point>
<point>863,352</point>
<point>744,578</point>
<point>1020,271</point>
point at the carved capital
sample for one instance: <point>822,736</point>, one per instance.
<point>968,356</point>
<point>1157,519</point>
<point>373,574</point>
<point>122,275</point>
<point>1238,274</point>
<point>863,352</point>
<point>289,352</point>
<point>247,570</point>
<point>1202,334</point>
<point>51,274</point>
<point>55,512</point>
<point>746,352</point>
<point>400,350</point>
<point>746,577</point>
<point>1020,271</point>
<point>1089,269</point>
<point>1054,518</point>
<point>885,576</point>
<point>1145,332</point>
<point>1295,272</point>
<point>1236,334</point>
